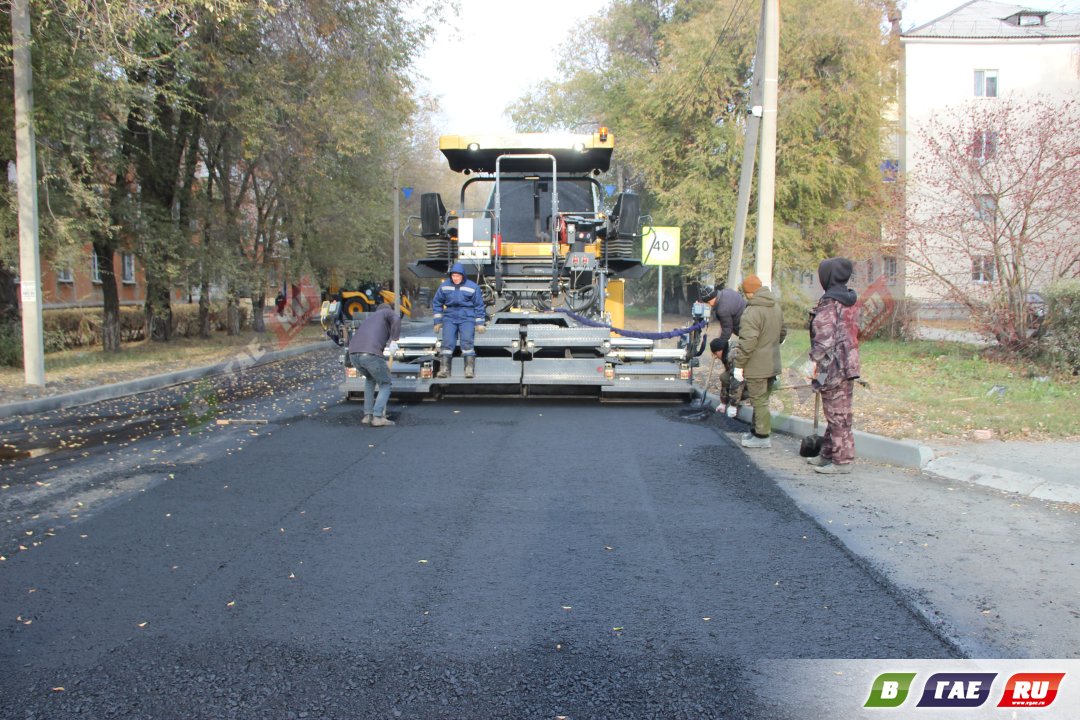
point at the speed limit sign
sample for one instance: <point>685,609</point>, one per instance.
<point>660,245</point>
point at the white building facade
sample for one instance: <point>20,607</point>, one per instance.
<point>981,52</point>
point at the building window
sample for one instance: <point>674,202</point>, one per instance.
<point>95,271</point>
<point>985,207</point>
<point>982,269</point>
<point>888,269</point>
<point>65,275</point>
<point>984,146</point>
<point>986,83</point>
<point>128,273</point>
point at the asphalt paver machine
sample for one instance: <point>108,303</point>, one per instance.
<point>551,263</point>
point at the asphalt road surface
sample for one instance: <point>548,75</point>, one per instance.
<point>482,559</point>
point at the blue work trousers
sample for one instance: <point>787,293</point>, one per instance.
<point>375,372</point>
<point>453,330</point>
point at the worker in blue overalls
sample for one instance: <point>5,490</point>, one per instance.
<point>458,309</point>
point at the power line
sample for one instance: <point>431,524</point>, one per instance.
<point>722,36</point>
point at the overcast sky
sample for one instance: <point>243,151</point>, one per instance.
<point>499,49</point>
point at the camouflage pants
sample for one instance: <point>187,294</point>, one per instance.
<point>838,444</point>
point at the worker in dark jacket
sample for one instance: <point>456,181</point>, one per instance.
<point>834,354</point>
<point>727,309</point>
<point>366,348</point>
<point>757,356</point>
<point>458,309</point>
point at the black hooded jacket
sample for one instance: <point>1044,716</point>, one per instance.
<point>833,275</point>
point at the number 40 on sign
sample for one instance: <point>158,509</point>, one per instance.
<point>660,245</point>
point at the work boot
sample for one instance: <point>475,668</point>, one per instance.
<point>366,420</point>
<point>381,421</point>
<point>756,442</point>
<point>444,368</point>
<point>834,469</point>
<point>470,365</point>
<point>818,461</point>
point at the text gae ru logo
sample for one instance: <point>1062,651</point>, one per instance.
<point>966,690</point>
<point>1031,690</point>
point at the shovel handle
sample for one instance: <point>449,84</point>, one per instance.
<point>817,405</point>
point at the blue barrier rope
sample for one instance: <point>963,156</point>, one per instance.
<point>633,333</point>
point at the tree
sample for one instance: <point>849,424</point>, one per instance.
<point>288,107</point>
<point>108,97</point>
<point>672,81</point>
<point>994,208</point>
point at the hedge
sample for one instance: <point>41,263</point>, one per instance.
<point>69,328</point>
<point>1059,335</point>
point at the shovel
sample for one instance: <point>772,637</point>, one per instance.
<point>701,412</point>
<point>811,444</point>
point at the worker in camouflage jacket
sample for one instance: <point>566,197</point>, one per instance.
<point>757,356</point>
<point>834,354</point>
<point>458,309</point>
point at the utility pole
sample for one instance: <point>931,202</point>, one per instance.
<point>746,177</point>
<point>26,164</point>
<point>397,247</point>
<point>767,182</point>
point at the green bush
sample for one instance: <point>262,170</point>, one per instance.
<point>11,354</point>
<point>186,318</point>
<point>71,328</point>
<point>796,305</point>
<point>81,327</point>
<point>1060,332</point>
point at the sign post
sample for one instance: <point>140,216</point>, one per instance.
<point>660,246</point>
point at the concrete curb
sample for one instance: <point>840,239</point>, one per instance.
<point>904,453</point>
<point>867,445</point>
<point>1033,486</point>
<point>154,382</point>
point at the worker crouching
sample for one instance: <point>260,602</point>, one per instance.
<point>379,330</point>
<point>458,309</point>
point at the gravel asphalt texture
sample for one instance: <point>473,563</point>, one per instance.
<point>487,559</point>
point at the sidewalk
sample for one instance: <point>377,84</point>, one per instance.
<point>1047,471</point>
<point>1043,471</point>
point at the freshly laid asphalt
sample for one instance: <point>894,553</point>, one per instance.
<point>295,564</point>
<point>487,559</point>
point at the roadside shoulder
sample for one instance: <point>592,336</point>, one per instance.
<point>994,572</point>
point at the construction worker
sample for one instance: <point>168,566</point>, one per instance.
<point>834,352</point>
<point>458,309</point>
<point>366,353</point>
<point>757,356</point>
<point>727,309</point>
